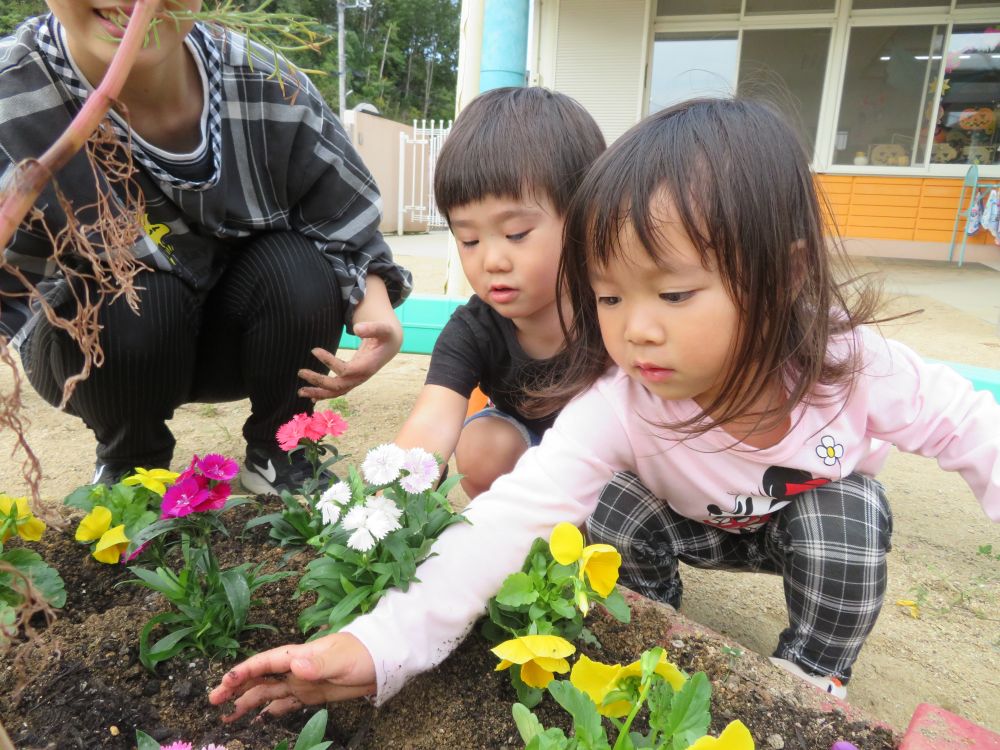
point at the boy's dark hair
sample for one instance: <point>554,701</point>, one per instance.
<point>739,180</point>
<point>510,141</point>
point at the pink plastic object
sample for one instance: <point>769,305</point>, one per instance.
<point>842,745</point>
<point>933,728</point>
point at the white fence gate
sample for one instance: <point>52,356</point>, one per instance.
<point>418,156</point>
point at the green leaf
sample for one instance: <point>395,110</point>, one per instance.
<point>689,712</point>
<point>563,608</point>
<point>615,604</point>
<point>516,591</point>
<point>312,733</point>
<point>448,485</point>
<point>529,696</point>
<point>587,726</point>
<point>145,742</point>
<point>346,606</point>
<point>47,580</point>
<point>85,498</point>
<point>170,641</point>
<point>527,723</point>
<point>238,594</point>
<point>162,580</point>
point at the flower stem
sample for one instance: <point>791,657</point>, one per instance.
<point>32,176</point>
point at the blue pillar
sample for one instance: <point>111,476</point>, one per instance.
<point>505,44</point>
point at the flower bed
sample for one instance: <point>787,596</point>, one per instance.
<point>83,686</point>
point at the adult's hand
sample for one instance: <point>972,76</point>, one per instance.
<point>381,336</point>
<point>333,668</point>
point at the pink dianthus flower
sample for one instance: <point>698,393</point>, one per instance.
<point>289,435</point>
<point>329,423</point>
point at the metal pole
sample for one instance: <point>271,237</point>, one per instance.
<point>341,61</point>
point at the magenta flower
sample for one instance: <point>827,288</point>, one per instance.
<point>310,429</point>
<point>185,496</point>
<point>217,497</point>
<point>176,746</point>
<point>218,467</point>
<point>138,551</point>
<point>329,423</point>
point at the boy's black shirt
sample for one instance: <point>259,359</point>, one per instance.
<point>478,346</point>
<point>278,160</point>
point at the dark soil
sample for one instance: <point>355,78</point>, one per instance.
<point>79,683</point>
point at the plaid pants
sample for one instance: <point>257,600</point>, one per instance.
<point>829,545</point>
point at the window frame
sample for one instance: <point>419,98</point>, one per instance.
<point>841,21</point>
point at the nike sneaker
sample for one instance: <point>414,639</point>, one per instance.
<point>268,472</point>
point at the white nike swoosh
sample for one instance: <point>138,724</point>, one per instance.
<point>270,473</point>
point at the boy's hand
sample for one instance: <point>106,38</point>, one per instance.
<point>380,342</point>
<point>333,668</point>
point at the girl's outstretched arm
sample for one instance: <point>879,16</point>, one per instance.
<point>408,633</point>
<point>931,410</point>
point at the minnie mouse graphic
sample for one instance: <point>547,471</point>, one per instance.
<point>751,512</point>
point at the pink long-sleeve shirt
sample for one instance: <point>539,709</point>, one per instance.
<point>897,399</point>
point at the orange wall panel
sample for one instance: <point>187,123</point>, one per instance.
<point>900,208</point>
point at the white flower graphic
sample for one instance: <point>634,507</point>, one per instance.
<point>829,450</point>
<point>422,468</point>
<point>332,500</point>
<point>382,464</point>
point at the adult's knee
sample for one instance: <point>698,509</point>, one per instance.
<point>287,271</point>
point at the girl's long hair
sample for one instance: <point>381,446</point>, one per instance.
<point>738,178</point>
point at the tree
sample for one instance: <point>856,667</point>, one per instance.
<point>15,11</point>
<point>402,55</point>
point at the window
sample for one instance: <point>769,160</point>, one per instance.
<point>899,4</point>
<point>696,7</point>
<point>887,96</point>
<point>787,67</point>
<point>790,6</point>
<point>966,129</point>
<point>690,65</point>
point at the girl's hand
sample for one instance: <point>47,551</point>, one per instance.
<point>333,668</point>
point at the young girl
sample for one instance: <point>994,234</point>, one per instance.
<point>724,384</point>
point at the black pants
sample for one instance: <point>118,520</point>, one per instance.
<point>247,337</point>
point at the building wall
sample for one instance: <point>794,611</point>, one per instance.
<point>920,209</point>
<point>598,52</point>
<point>377,140</point>
<point>594,51</point>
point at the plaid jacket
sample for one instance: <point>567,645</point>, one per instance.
<point>278,160</point>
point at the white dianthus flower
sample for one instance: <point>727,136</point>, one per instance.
<point>382,464</point>
<point>332,500</point>
<point>422,468</point>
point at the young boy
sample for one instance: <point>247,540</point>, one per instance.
<point>504,179</point>
<point>260,242</point>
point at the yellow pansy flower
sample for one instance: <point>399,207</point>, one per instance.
<point>600,563</point>
<point>155,480</point>
<point>94,524</point>
<point>538,655</point>
<point>26,525</point>
<point>566,543</point>
<point>111,545</point>
<point>597,680</point>
<point>734,737</point>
